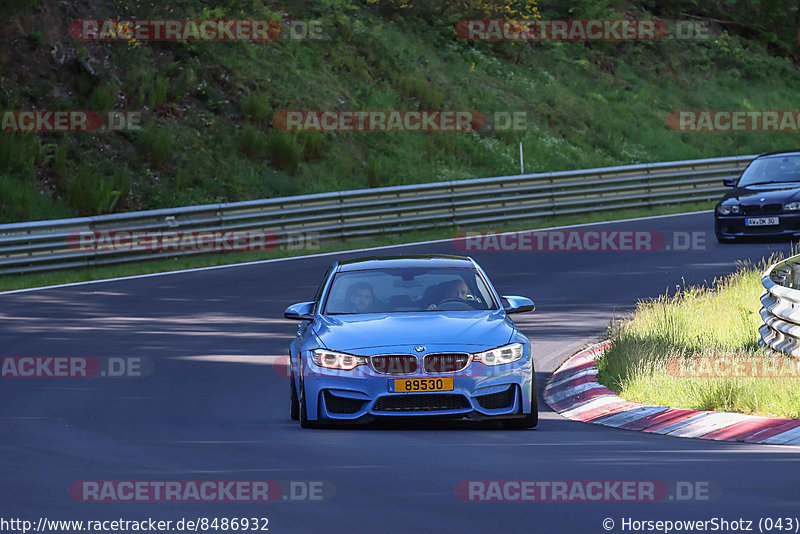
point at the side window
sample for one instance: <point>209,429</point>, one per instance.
<point>321,287</point>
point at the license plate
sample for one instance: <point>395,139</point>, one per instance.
<point>406,385</point>
<point>761,221</point>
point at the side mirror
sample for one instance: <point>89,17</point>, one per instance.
<point>300,311</point>
<point>517,304</point>
<point>729,182</point>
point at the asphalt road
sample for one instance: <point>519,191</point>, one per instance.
<point>215,408</point>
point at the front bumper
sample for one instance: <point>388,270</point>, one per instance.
<point>733,226</point>
<point>479,392</point>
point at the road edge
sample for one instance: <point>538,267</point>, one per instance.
<point>573,392</point>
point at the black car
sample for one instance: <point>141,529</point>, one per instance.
<point>765,201</point>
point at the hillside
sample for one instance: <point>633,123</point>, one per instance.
<point>208,107</point>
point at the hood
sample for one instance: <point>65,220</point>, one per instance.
<point>751,195</point>
<point>478,330</point>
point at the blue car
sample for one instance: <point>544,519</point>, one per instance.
<point>422,336</point>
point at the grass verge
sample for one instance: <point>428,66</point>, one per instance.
<point>698,349</point>
<point>11,282</point>
<point>208,108</point>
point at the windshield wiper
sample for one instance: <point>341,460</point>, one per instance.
<point>773,182</point>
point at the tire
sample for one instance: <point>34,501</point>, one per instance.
<point>294,410</point>
<point>725,240</point>
<point>530,420</point>
<point>304,421</point>
<point>720,239</point>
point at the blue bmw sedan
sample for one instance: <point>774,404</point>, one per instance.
<point>423,336</point>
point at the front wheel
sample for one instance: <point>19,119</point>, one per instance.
<point>720,238</point>
<point>725,240</point>
<point>530,420</point>
<point>294,410</point>
<point>304,421</point>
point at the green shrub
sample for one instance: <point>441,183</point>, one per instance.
<point>36,37</point>
<point>85,84</point>
<point>180,85</point>
<point>312,145</point>
<point>103,97</point>
<point>404,85</point>
<point>256,108</point>
<point>158,92</point>
<point>374,171</point>
<point>94,192</point>
<point>156,143</point>
<point>60,160</point>
<point>20,201</point>
<point>254,143</point>
<point>428,95</point>
<point>18,151</point>
<point>285,152</point>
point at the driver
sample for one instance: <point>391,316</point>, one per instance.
<point>456,289</point>
<point>360,297</point>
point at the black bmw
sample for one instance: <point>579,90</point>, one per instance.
<point>765,201</point>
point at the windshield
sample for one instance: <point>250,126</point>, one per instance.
<point>408,290</point>
<point>773,169</point>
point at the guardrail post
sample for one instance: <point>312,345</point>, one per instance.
<point>94,257</point>
<point>341,217</point>
<point>794,279</point>
<point>452,206</point>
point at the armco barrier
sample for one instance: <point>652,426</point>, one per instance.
<point>43,245</point>
<point>780,307</point>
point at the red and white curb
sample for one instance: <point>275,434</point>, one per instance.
<point>573,391</point>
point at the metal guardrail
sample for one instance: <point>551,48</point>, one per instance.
<point>466,204</point>
<point>780,307</point>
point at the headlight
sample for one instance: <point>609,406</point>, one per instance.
<point>337,360</point>
<point>500,355</point>
<point>792,206</point>
<point>729,210</point>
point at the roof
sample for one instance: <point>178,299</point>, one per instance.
<point>780,153</point>
<point>420,260</point>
